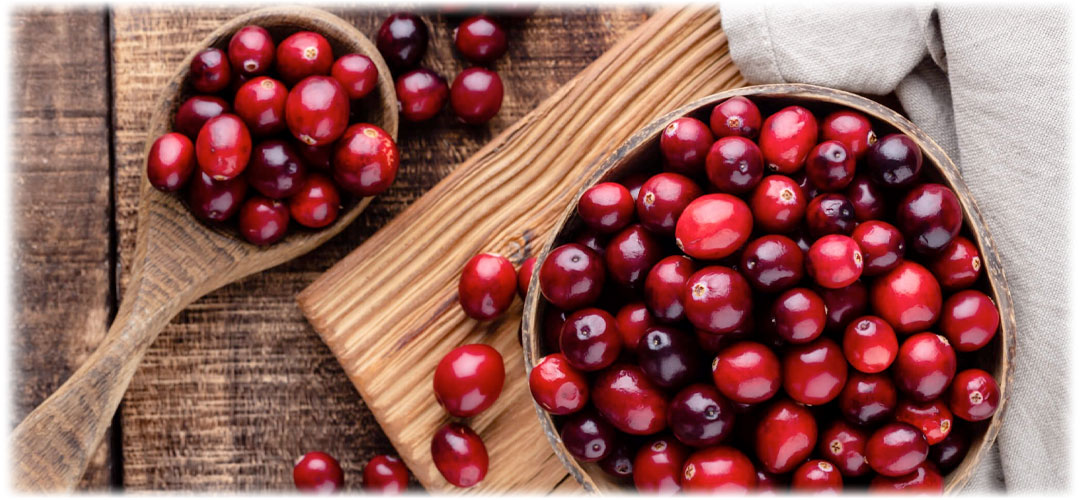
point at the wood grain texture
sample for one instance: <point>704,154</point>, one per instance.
<point>389,310</point>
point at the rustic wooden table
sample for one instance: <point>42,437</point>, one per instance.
<point>238,384</point>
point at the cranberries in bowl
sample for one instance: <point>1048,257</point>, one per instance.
<point>794,287</point>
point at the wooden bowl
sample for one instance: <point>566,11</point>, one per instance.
<point>641,154</point>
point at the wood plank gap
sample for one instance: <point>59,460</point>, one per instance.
<point>116,438</point>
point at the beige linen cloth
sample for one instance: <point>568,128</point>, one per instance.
<point>990,85</point>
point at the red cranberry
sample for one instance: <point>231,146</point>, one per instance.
<point>210,71</point>
<point>948,454</point>
<point>845,445</point>
<point>215,201</point>
<point>772,263</point>
<point>717,299</point>
<point>590,340</point>
<point>718,470</point>
<point>800,315</point>
<point>850,128</point>
<point>658,466</point>
<point>882,246</point>
<point>814,373</point>
<point>275,169</point>
<point>736,116</point>
<point>867,199</point>
<point>196,111</point>
<point>713,226</point>
<point>315,157</point>
<point>930,217</point>
<point>619,464</point>
<point>785,436</point>
<point>870,344</point>
<point>558,387</point>
<point>843,305</point>
<point>487,285</point>
<point>958,265</point>
<point>261,104</point>
<point>476,95</point>
<point>572,277</point>
<point>357,73</point>
<point>664,288</point>
<point>171,162</point>
<point>524,276</point>
<point>223,147</point>
<point>734,165</point>
<point>787,137</point>
<point>933,418</point>
<point>624,395</point>
<point>251,50</point>
<point>480,39</point>
<point>263,221</point>
<point>303,54</point>
<point>402,40</point>
<point>684,144</point>
<point>421,94</point>
<point>386,474</point>
<point>632,321</point>
<point>834,261</point>
<point>896,449</point>
<point>830,213</point>
<point>830,166</point>
<point>747,372</point>
<point>817,476</point>
<point>317,472</point>
<point>778,204</point>
<point>469,379</point>
<point>924,366</point>
<point>924,479</point>
<point>668,357</point>
<point>867,399</point>
<point>587,436</point>
<point>317,202</point>
<point>459,454</point>
<point>607,207</point>
<point>699,416</point>
<point>366,160</point>
<point>662,200</point>
<point>969,320</point>
<point>895,160</point>
<point>974,395</point>
<point>317,110</point>
<point>908,297</point>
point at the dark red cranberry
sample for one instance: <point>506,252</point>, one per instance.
<point>800,315</point>
<point>261,104</point>
<point>896,449</point>
<point>747,372</point>
<point>251,50</point>
<point>850,128</point>
<point>590,340</point>
<point>787,137</point>
<point>476,95</point>
<point>867,399</point>
<point>357,73</point>
<point>734,165</point>
<point>736,116</point>
<point>386,474</point>
<point>830,166</point>
<point>870,344</point>
<point>712,343</point>
<point>317,110</point>
<point>480,39</point>
<point>684,144</point>
<point>553,323</point>
<point>275,169</point>
<point>624,395</point>
<point>196,111</point>
<point>223,147</point>
<point>699,416</point>
<point>933,418</point>
<point>469,379</point>
<point>974,395</point>
<point>969,319</point>
<point>894,160</point>
<point>421,94</point>
<point>658,466</point>
<point>592,240</point>
<point>303,54</point>
<point>814,373</point>
<point>263,221</point>
<point>587,436</point>
<point>560,389</point>
<point>171,162</point>
<point>317,472</point>
<point>930,217</point>
<point>318,158</point>
<point>632,321</point>
<point>867,199</point>
<point>843,304</point>
<point>402,40</point>
<point>948,454</point>
<point>845,446</point>
<point>908,297</point>
<point>778,204</point>
<point>215,201</point>
<point>459,454</point>
<point>808,189</point>
<point>317,202</point>
<point>713,226</point>
<point>717,299</point>
<point>830,213</point>
<point>633,183</point>
<point>772,263</point>
<point>924,479</point>
<point>958,265</point>
<point>237,81</point>
<point>524,276</point>
<point>210,71</point>
<point>834,261</point>
<point>785,436</point>
<point>817,476</point>
<point>619,464</point>
<point>924,366</point>
<point>669,357</point>
<point>882,246</point>
<point>718,470</point>
<point>607,207</point>
<point>664,288</point>
<point>487,285</point>
<point>662,200</point>
<point>572,277</point>
<point>769,483</point>
<point>366,160</point>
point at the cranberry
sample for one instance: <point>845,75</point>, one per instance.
<point>366,160</point>
<point>867,399</point>
<point>402,40</point>
<point>196,111</point>
<point>736,116</point>
<point>734,165</point>
<point>658,466</point>
<point>421,94</point>
<point>487,285</point>
<point>572,277</point>
<point>974,395</point>
<point>590,340</point>
<point>894,161</point>
<point>808,189</point>
<point>870,344</point>
<point>480,39</point>
<point>785,436</point>
<point>882,246</point>
<point>275,169</point>
<point>317,202</point>
<point>814,373</point>
<point>668,357</point>
<point>592,240</point>
<point>958,265</point>
<point>718,470</point>
<point>317,472</point>
<point>713,226</point>
<point>557,387</point>
<point>251,50</point>
<point>830,166</point>
<point>924,366</point>
<point>459,454</point>
<point>850,128</point>
<point>834,261</point>
<point>607,207</point>
<point>817,476</point>
<point>469,379</point>
<point>210,71</point>
<point>778,204</point>
<point>843,304</point>
<point>554,319</point>
<point>171,162</point>
<point>712,343</point>
<point>263,221</point>
<point>845,445</point>
<point>933,418</point>
<point>587,436</point>
<point>867,199</point>
<point>800,315</point>
<point>930,217</point>
<point>908,297</point>
<point>619,464</point>
<point>624,395</point>
<point>896,449</point>
<point>476,95</point>
<point>830,213</point>
<point>317,110</point>
<point>924,479</point>
<point>699,416</point>
<point>261,104</point>
<point>357,73</point>
<point>717,299</point>
<point>223,147</point>
<point>684,144</point>
<point>769,483</point>
<point>772,263</point>
<point>315,157</point>
<point>787,137</point>
<point>948,454</point>
<point>524,276</point>
<point>303,54</point>
<point>633,183</point>
<point>747,372</point>
<point>664,288</point>
<point>632,321</point>
<point>970,320</point>
<point>386,474</point>
<point>215,201</point>
<point>662,200</point>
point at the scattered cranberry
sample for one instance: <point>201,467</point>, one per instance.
<point>210,71</point>
<point>251,50</point>
<point>317,202</point>
<point>924,366</point>
<point>870,344</point>
<point>974,395</point>
<point>786,434</point>
<point>933,418</point>
<point>658,466</point>
<point>787,137</point>
<point>844,445</point>
<point>734,165</point>
<point>356,73</point>
<point>817,476</point>
<point>263,221</point>
<point>524,276</point>
<point>366,160</point>
<point>684,144</point>
<point>778,204</point>
<point>814,373</point>
<point>624,395</point>
<point>867,399</point>
<point>317,472</point>
<point>261,104</point>
<point>747,372</point>
<point>830,166</point>
<point>459,454</point>
<point>958,265</point>
<point>469,379</point>
<point>830,213</point>
<point>843,305</point>
<point>275,170</point>
<point>223,147</point>
<point>664,288</point>
<point>772,263</point>
<point>386,474</point>
<point>633,320</point>
<point>718,470</point>
<point>969,319</point>
<point>668,357</point>
<point>717,299</point>
<point>924,479</point>
<point>850,128</point>
<point>317,110</point>
<point>834,261</point>
<point>487,285</point>
<point>896,449</point>
<point>589,339</point>
<point>171,162</point>
<point>882,246</point>
<point>867,199</point>
<point>607,207</point>
<point>572,277</point>
<point>908,297</point>
<point>480,39</point>
<point>560,389</point>
<point>894,160</point>
<point>402,40</point>
<point>713,226</point>
<point>587,436</point>
<point>215,201</point>
<point>930,217</point>
<point>421,94</point>
<point>736,116</point>
<point>799,314</point>
<point>699,416</point>
<point>662,199</point>
<point>476,95</point>
<point>196,111</point>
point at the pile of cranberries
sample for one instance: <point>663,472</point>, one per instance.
<point>318,472</point>
<point>268,136</point>
<point>786,303</point>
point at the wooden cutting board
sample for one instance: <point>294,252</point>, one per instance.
<point>389,310</point>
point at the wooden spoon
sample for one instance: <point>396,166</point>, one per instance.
<point>177,260</point>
